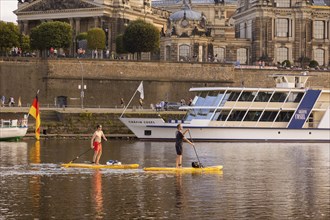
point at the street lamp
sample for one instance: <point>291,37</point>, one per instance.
<point>82,87</point>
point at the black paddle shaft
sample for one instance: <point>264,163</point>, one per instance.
<point>194,148</point>
<point>80,155</point>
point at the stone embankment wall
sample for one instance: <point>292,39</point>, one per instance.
<point>108,80</point>
<point>82,122</point>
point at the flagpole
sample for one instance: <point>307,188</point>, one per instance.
<point>128,103</point>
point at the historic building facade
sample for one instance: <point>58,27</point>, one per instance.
<point>110,15</point>
<point>281,30</point>
<point>244,31</point>
<point>203,31</point>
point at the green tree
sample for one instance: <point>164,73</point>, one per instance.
<point>96,39</point>
<point>313,64</point>
<point>82,36</point>
<point>120,45</point>
<point>51,34</point>
<point>141,36</point>
<point>9,36</point>
<point>25,43</point>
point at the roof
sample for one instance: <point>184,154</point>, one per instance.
<point>321,2</point>
<point>186,13</point>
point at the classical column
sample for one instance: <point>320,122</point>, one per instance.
<point>77,29</point>
<point>25,27</point>
<point>96,22</point>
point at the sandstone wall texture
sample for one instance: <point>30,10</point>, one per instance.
<point>108,81</point>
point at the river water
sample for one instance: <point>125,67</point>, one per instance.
<point>259,181</point>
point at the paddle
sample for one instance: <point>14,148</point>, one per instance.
<point>201,166</point>
<point>80,155</point>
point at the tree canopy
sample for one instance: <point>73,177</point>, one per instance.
<point>96,38</point>
<point>120,45</point>
<point>141,36</point>
<point>82,36</point>
<point>51,34</point>
<point>9,36</point>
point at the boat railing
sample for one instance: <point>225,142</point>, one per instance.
<point>13,123</point>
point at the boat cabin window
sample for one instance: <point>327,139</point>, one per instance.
<point>268,116</point>
<point>279,97</point>
<point>263,96</point>
<point>209,98</point>
<point>236,115</point>
<point>201,98</point>
<point>221,115</point>
<point>233,96</point>
<point>295,97</point>
<point>284,116</point>
<point>247,96</point>
<point>252,116</point>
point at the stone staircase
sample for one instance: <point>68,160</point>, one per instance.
<point>49,116</point>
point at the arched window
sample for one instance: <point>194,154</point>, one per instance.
<point>219,54</point>
<point>282,54</point>
<point>242,55</point>
<point>184,52</point>
<point>319,56</point>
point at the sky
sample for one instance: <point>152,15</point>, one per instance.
<point>6,10</point>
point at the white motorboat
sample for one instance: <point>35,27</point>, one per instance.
<point>13,130</point>
<point>290,112</point>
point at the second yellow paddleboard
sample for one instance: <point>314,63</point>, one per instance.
<point>185,169</point>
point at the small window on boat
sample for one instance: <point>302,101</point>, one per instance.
<point>295,97</point>
<point>268,116</point>
<point>223,115</point>
<point>252,116</point>
<point>211,99</point>
<point>247,96</point>
<point>279,97</point>
<point>147,132</point>
<point>201,99</point>
<point>233,96</point>
<point>263,97</point>
<point>284,116</point>
<point>236,115</point>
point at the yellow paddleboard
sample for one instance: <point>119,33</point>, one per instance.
<point>185,169</point>
<point>101,166</point>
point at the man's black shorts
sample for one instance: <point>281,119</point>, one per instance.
<point>178,149</point>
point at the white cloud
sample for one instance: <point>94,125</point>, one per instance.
<point>6,10</point>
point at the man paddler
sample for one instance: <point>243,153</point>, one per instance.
<point>179,138</point>
<point>96,144</point>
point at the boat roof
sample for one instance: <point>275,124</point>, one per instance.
<point>201,89</point>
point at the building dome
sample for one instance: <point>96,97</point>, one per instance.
<point>187,14</point>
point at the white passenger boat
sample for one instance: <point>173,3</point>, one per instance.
<point>290,112</point>
<point>12,130</point>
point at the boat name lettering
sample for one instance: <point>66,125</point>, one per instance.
<point>301,114</point>
<point>141,122</point>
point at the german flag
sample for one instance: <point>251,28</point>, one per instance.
<point>34,111</point>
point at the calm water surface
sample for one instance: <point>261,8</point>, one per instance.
<point>259,181</point>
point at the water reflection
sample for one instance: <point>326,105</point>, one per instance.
<point>34,153</point>
<point>13,153</point>
<point>179,191</point>
<point>97,193</point>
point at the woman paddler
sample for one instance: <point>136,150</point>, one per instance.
<point>96,144</point>
<point>179,138</point>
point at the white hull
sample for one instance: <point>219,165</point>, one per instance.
<point>149,128</point>
<point>7,133</point>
